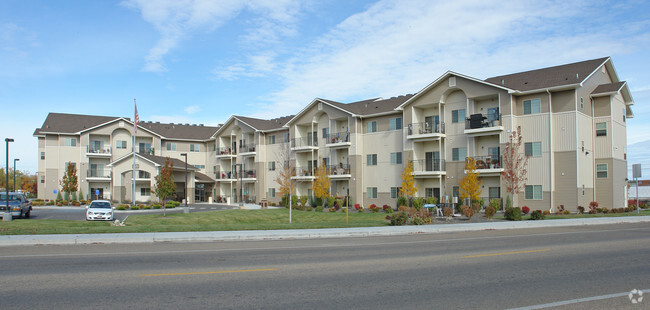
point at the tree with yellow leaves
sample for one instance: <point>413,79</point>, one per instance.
<point>408,188</point>
<point>321,185</point>
<point>470,186</point>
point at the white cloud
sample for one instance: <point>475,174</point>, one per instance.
<point>192,109</point>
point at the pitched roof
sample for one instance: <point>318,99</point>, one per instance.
<point>371,106</point>
<point>265,124</point>
<point>562,75</point>
<point>180,131</point>
<point>608,88</point>
<point>202,178</point>
<point>159,160</point>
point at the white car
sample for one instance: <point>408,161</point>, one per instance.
<point>100,210</point>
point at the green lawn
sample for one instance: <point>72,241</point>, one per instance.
<point>577,216</point>
<point>204,221</point>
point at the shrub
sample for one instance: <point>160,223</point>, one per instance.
<point>330,201</point>
<point>398,219</point>
<point>513,214</point>
<point>59,204</point>
<point>447,211</point>
<point>417,203</point>
<point>490,211</point>
<point>402,201</point>
<point>357,206</point>
<point>303,200</point>
<point>38,203</point>
<point>403,208</point>
<point>157,206</point>
<point>312,201</point>
<point>432,200</point>
<point>419,217</point>
<point>147,207</point>
<point>386,207</point>
<point>332,210</point>
<point>468,212</point>
<point>476,206</point>
<point>581,210</point>
<point>135,208</point>
<point>604,210</point>
<point>66,196</point>
<point>496,204</point>
<point>361,209</point>
<point>319,209</point>
<point>389,210</point>
<point>121,207</point>
<point>50,203</point>
<point>525,210</point>
<point>58,196</point>
<point>560,209</point>
<point>309,209</point>
<point>374,208</point>
<point>508,202</point>
<point>566,212</point>
<point>547,212</point>
<point>621,210</point>
<point>537,215</point>
<point>65,202</point>
<point>76,203</point>
<point>593,207</point>
<point>339,203</point>
<point>74,196</point>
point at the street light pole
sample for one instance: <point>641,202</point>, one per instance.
<point>15,160</point>
<point>7,216</point>
<point>241,191</point>
<point>185,192</point>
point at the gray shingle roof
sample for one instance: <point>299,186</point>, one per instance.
<point>177,163</point>
<point>371,106</point>
<point>264,124</point>
<point>549,77</point>
<point>178,131</point>
<point>608,88</point>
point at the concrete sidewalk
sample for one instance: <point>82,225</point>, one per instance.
<point>212,236</point>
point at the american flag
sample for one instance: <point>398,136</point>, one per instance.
<point>137,118</point>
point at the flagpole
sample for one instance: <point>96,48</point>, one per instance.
<point>135,131</point>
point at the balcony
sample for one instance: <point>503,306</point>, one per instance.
<point>96,151</point>
<point>226,176</point>
<point>142,176</point>
<point>304,144</point>
<point>99,175</point>
<point>340,171</point>
<point>488,165</point>
<point>247,150</point>
<point>429,168</point>
<point>226,152</point>
<point>483,124</point>
<point>248,175</point>
<point>304,174</point>
<point>338,140</point>
<point>426,131</point>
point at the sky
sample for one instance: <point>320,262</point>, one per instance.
<point>201,61</point>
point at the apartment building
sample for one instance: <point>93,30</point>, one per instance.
<point>572,118</point>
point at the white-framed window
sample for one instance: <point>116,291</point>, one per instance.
<point>601,171</point>
<point>272,192</point>
<point>533,149</point>
<point>458,153</point>
<point>70,141</point>
<point>326,133</point>
<point>199,166</point>
<point>270,139</point>
<point>120,144</point>
<point>533,192</point>
<point>458,116</point>
<point>286,137</point>
<point>42,155</point>
<point>394,192</point>
<point>372,126</point>
<point>396,158</point>
<point>396,123</point>
<point>532,106</point>
<point>371,159</point>
<point>271,166</point>
<point>170,146</point>
<point>371,192</point>
<point>42,179</point>
<point>195,147</point>
<point>601,129</point>
<point>145,191</point>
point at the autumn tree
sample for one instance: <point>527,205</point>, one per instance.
<point>69,183</point>
<point>284,178</point>
<point>514,164</point>
<point>165,186</point>
<point>470,185</point>
<point>321,185</point>
<point>408,188</point>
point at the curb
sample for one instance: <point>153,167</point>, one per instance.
<point>253,235</point>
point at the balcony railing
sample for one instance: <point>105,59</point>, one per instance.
<point>90,149</point>
<point>143,175</point>
<point>248,148</point>
<point>224,175</point>
<point>226,151</point>
<point>303,142</point>
<point>304,172</point>
<point>432,165</point>
<point>426,128</point>
<point>249,174</point>
<point>340,169</point>
<point>99,173</point>
<point>476,121</point>
<point>487,162</point>
<point>339,137</point>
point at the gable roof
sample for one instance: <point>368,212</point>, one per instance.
<point>180,131</point>
<point>371,106</point>
<point>563,75</point>
<point>157,161</point>
<point>603,89</point>
<point>265,124</point>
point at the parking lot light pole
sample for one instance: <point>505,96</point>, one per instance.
<point>7,215</point>
<point>187,210</point>
<point>15,160</point>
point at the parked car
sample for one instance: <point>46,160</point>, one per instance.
<point>19,205</point>
<point>100,210</point>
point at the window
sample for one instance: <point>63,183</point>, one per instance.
<point>533,192</point>
<point>199,166</point>
<point>371,192</point>
<point>171,146</point>
<point>428,192</point>
<point>42,155</point>
<point>394,192</point>
<point>42,179</point>
<point>371,159</point>
<point>372,126</point>
<point>395,123</point>
<point>601,129</point>
<point>286,137</point>
<point>326,133</point>
<point>458,116</point>
<point>272,192</point>
<point>120,144</point>
<point>144,191</point>
<point>270,140</point>
<point>70,141</point>
<point>455,191</point>
<point>533,149</point>
<point>396,158</point>
<point>458,153</point>
<point>195,147</point>
<point>601,171</point>
<point>271,166</point>
<point>532,106</point>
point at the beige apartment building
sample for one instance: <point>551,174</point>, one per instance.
<point>572,118</point>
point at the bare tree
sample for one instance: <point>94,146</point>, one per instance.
<point>514,164</point>
<point>286,173</point>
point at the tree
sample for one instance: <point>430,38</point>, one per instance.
<point>408,188</point>
<point>284,178</point>
<point>514,164</point>
<point>165,186</point>
<point>321,186</point>
<point>69,182</point>
<point>470,185</point>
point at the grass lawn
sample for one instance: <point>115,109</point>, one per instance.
<point>271,219</point>
<point>578,216</point>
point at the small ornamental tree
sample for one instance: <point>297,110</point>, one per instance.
<point>321,186</point>
<point>165,186</point>
<point>408,188</point>
<point>70,180</point>
<point>514,164</point>
<point>470,185</point>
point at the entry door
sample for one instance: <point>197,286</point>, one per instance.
<point>428,124</point>
<point>428,161</point>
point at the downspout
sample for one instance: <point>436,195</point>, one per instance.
<point>550,148</point>
<point>593,148</point>
<point>575,93</point>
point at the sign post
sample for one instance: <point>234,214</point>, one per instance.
<point>636,174</point>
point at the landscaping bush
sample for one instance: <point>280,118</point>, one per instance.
<point>361,209</point>
<point>593,207</point>
<point>447,211</point>
<point>157,206</point>
<point>389,210</point>
<point>489,212</point>
<point>59,204</point>
<point>513,214</point>
<point>50,203</point>
<point>330,201</point>
<point>581,210</point>
<point>374,208</point>
<point>319,209</point>
<point>58,196</point>
<point>339,203</point>
<point>508,202</point>
<point>566,212</point>
<point>309,209</point>
<point>418,203</point>
<point>560,209</point>
<point>357,206</point>
<point>476,206</point>
<point>403,208</point>
<point>432,200</point>
<point>135,208</point>
<point>398,219</point>
<point>74,196</point>
<point>38,203</point>
<point>76,203</point>
<point>525,210</point>
<point>496,204</point>
<point>65,202</point>
<point>468,212</point>
<point>121,207</point>
<point>303,200</point>
<point>172,204</point>
<point>419,216</point>
<point>604,210</point>
<point>402,201</point>
<point>66,196</point>
<point>547,212</point>
<point>537,215</point>
<point>386,207</point>
<point>332,210</point>
<point>147,207</point>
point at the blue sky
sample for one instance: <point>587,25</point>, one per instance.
<point>202,61</point>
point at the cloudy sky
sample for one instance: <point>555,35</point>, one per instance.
<point>201,61</point>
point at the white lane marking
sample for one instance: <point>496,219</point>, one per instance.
<point>576,301</point>
<point>315,246</point>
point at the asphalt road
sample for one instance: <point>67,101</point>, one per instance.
<point>79,213</point>
<point>475,270</point>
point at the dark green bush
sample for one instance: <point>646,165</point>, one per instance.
<point>399,219</point>
<point>319,209</point>
<point>513,214</point>
<point>537,215</point>
<point>417,203</point>
<point>402,201</point>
